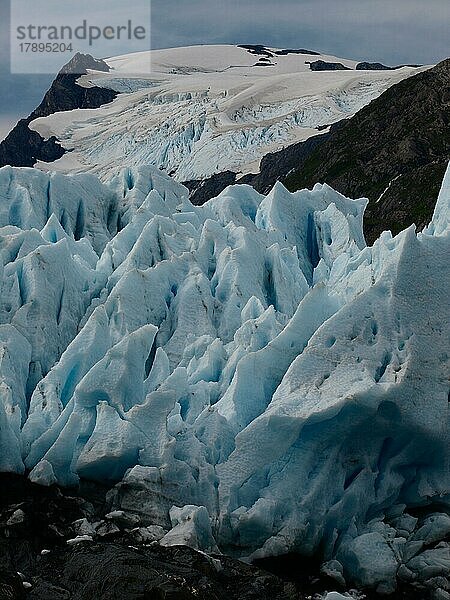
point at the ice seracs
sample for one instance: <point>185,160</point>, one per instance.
<point>251,374</point>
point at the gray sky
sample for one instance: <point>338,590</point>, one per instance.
<point>390,31</point>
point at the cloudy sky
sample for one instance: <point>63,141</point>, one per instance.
<point>390,31</point>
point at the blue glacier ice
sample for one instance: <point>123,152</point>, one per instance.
<point>247,373</point>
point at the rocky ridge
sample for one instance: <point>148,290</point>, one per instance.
<point>23,147</point>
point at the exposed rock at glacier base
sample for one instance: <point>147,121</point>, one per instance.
<point>67,548</point>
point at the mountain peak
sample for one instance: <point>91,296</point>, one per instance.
<point>80,63</point>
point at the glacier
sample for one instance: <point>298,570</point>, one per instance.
<point>246,374</point>
<point>201,110</point>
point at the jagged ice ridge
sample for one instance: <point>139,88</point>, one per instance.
<point>261,380</point>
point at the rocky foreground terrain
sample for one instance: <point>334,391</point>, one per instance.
<point>57,545</point>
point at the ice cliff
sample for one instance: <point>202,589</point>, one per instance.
<point>249,371</point>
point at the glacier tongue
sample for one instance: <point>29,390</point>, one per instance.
<point>250,360</point>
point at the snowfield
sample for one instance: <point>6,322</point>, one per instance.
<point>252,375</point>
<point>202,110</point>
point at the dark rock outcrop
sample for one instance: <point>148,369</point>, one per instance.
<point>111,571</point>
<point>376,66</point>
<point>260,50</point>
<point>63,544</point>
<point>394,151</point>
<point>110,565</point>
<point>11,586</point>
<point>298,51</point>
<point>322,65</point>
<point>65,94</point>
<point>23,147</point>
<point>202,190</point>
<point>257,50</point>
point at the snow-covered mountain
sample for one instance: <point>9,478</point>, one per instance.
<point>261,380</point>
<point>201,110</point>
